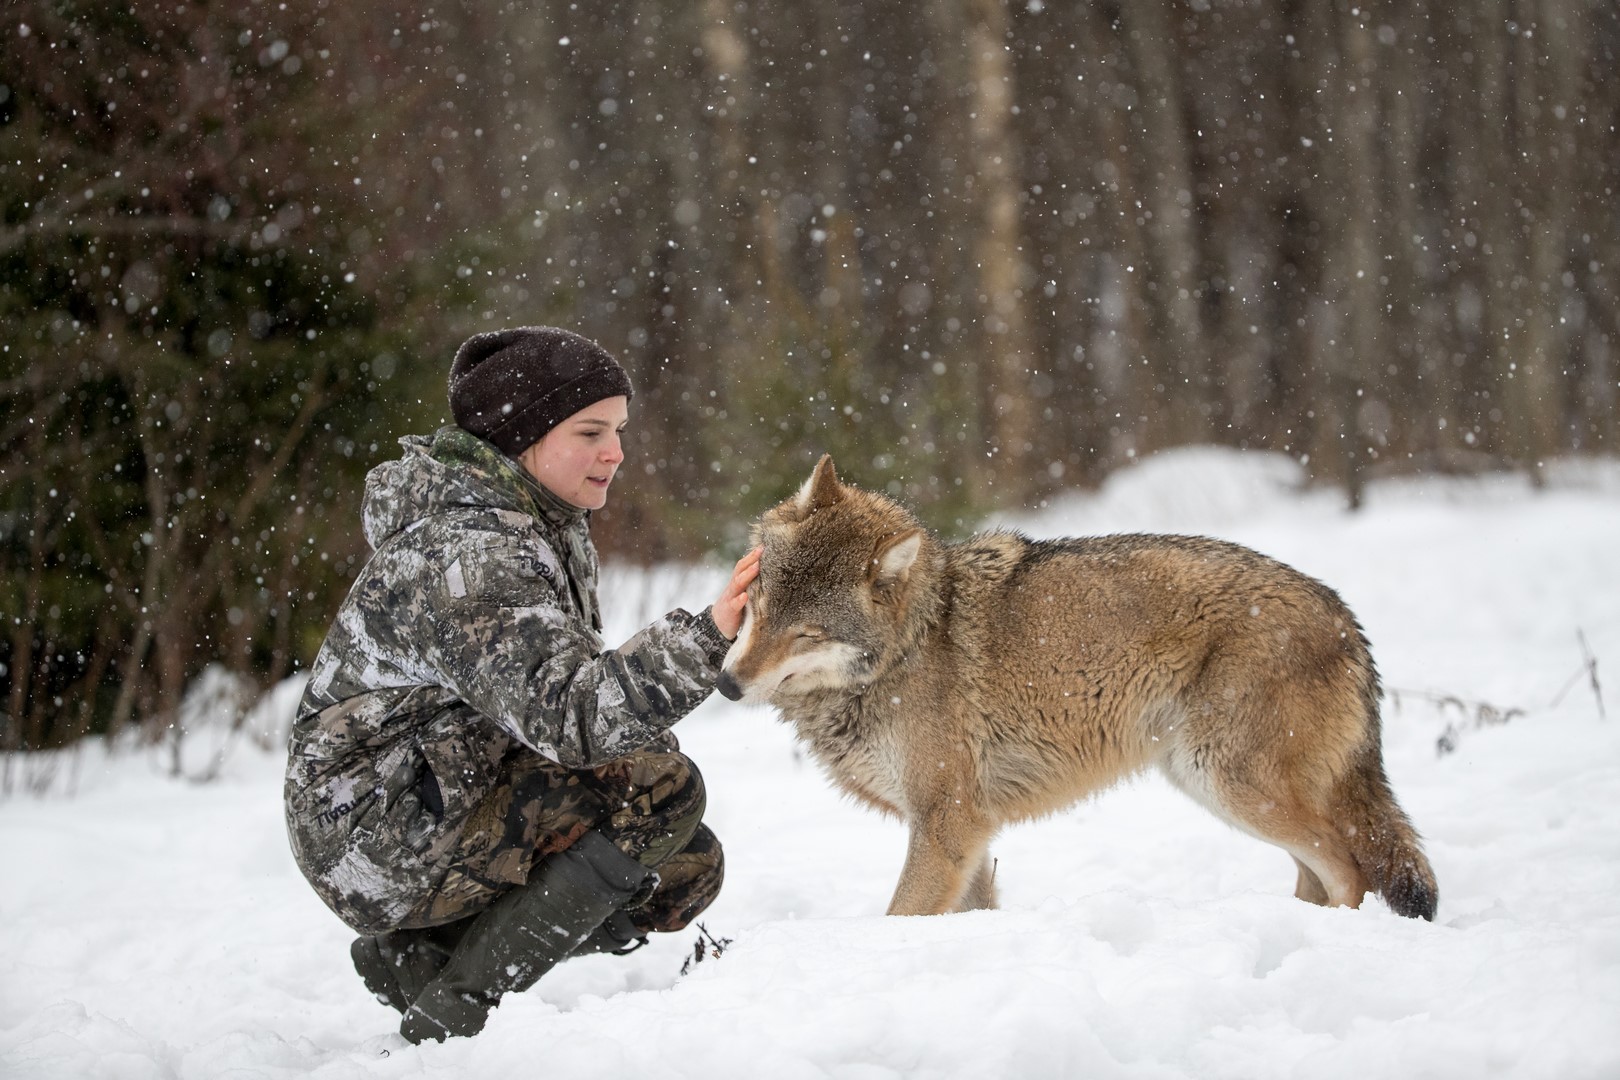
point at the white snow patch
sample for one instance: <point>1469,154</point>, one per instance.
<point>159,929</point>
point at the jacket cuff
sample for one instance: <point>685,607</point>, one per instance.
<point>710,637</point>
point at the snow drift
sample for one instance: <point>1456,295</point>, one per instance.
<point>153,927</point>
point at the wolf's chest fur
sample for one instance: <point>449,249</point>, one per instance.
<point>851,739</point>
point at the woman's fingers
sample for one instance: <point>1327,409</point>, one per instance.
<point>728,610</point>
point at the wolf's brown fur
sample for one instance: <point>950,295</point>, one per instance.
<point>966,686</point>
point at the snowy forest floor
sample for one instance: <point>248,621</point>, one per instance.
<point>151,927</point>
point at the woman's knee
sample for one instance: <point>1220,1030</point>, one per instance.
<point>688,883</point>
<point>659,801</point>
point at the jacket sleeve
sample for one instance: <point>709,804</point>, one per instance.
<point>509,647</point>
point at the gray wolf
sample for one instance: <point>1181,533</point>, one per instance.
<point>966,686</point>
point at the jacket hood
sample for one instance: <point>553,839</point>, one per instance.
<point>448,470</point>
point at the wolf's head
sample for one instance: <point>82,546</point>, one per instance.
<point>837,585</point>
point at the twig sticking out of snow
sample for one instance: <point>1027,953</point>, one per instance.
<point>705,945</point>
<point>1589,669</point>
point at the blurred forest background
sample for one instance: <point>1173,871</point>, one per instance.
<point>980,251</point>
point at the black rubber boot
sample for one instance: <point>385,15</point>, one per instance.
<point>525,934</point>
<point>617,935</point>
<point>397,965</point>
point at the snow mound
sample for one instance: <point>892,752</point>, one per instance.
<point>159,929</point>
<point>1188,490</point>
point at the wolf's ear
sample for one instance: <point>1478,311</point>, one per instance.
<point>822,489</point>
<point>894,558</point>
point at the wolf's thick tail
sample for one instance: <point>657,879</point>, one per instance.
<point>1386,847</point>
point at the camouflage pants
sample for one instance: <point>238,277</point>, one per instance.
<point>650,804</point>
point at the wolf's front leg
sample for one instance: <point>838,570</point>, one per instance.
<point>945,856</point>
<point>980,894</point>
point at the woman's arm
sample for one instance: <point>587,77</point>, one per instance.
<point>509,647</point>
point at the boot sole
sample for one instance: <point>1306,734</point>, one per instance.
<point>375,971</point>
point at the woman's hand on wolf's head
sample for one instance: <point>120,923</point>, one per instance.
<point>728,610</point>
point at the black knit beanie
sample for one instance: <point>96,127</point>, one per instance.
<point>510,387</point>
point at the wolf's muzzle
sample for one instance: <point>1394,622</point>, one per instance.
<point>728,686</point>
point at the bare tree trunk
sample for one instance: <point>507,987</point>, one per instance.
<point>1126,347</point>
<point>286,596</point>
<point>152,578</point>
<point>1183,354</point>
<point>1545,106</point>
<point>1133,413</point>
<point>95,671</point>
<point>1496,233</point>
<point>1415,271</point>
<point>173,645</point>
<point>1003,271</point>
<point>726,59</point>
<point>1316,239</point>
<point>1366,418</point>
<point>15,732</point>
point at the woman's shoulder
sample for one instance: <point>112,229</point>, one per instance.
<point>488,543</point>
<point>457,529</point>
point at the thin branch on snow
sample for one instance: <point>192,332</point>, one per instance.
<point>1477,713</point>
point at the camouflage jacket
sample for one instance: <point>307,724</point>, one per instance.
<point>471,630</point>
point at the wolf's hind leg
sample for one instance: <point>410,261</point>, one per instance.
<point>1310,887</point>
<point>1328,874</point>
<point>1336,871</point>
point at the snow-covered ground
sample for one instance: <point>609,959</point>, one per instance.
<point>157,928</point>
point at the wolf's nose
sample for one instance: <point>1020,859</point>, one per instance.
<point>728,686</point>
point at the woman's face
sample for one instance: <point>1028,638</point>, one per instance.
<point>576,459</point>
